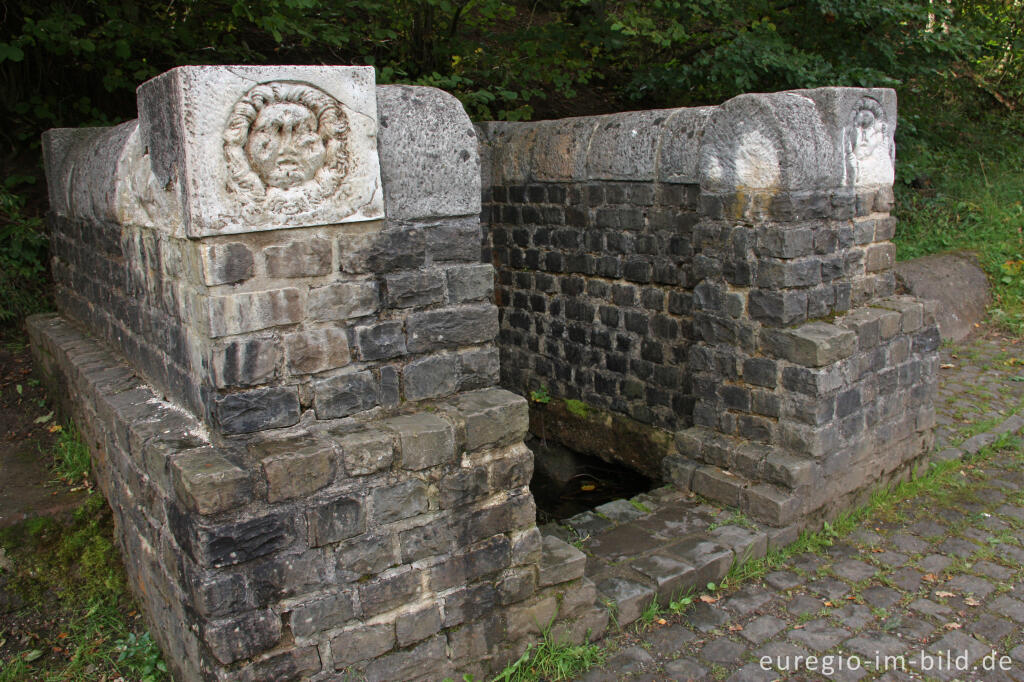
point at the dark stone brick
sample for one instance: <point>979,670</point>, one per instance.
<point>399,501</point>
<point>381,341</point>
<point>257,410</point>
<point>242,636</point>
<point>390,590</point>
<point>346,394</point>
<point>335,521</point>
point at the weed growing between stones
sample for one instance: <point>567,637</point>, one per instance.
<point>550,659</point>
<point>72,463</point>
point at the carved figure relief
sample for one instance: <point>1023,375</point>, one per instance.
<point>286,149</point>
<point>866,144</point>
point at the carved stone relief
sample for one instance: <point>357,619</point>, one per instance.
<point>867,146</point>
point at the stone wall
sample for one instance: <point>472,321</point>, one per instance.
<point>289,393</point>
<point>722,275</point>
<point>251,327</point>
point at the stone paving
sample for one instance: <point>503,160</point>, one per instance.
<point>934,583</point>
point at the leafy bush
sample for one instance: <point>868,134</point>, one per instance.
<point>23,256</point>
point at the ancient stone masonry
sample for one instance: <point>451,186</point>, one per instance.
<point>278,339</point>
<point>718,278</point>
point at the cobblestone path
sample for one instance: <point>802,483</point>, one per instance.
<point>925,588</point>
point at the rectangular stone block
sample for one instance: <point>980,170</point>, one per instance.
<point>257,410</point>
<point>208,483</point>
<point>252,311</point>
<point>433,376</point>
<point>300,258</point>
<point>414,288</point>
<point>361,642</point>
<point>366,452</point>
<point>345,394</point>
<point>295,467</point>
<point>451,327</point>
<point>336,520</point>
<point>718,485</point>
<point>316,350</point>
<point>245,362</point>
<point>417,624</point>
<point>227,263</point>
<point>812,345</point>
<point>470,283</point>
<point>398,501</point>
<point>324,613</point>
<point>424,440</point>
<point>242,636</point>
<point>343,300</point>
<point>560,562</point>
<point>389,590</point>
<point>492,417</point>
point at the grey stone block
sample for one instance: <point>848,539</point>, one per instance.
<point>710,560</point>
<point>208,482</point>
<point>424,440</point>
<point>426,661</point>
<point>316,350</point>
<point>242,636</point>
<point>381,341</point>
<point>227,263</point>
<point>361,642</point>
<point>427,170</point>
<point>417,625</point>
<point>470,283</point>
<point>815,344</point>
<point>414,288</point>
<point>399,501</point>
<point>628,598</point>
<point>451,327</point>
<point>345,394</point>
<point>295,467</point>
<point>343,300</point>
<point>492,417</point>
<point>257,410</point>
<point>433,376</point>
<point>336,520</point>
<point>245,362</point>
<point>366,554</point>
<point>366,452</point>
<point>300,258</point>
<point>717,484</point>
<point>560,562</point>
<point>669,575</point>
<point>325,613</point>
<point>247,312</point>
<point>389,590</point>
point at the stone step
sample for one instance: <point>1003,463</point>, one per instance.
<point>659,545</point>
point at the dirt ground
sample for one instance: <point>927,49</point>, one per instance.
<point>27,483</point>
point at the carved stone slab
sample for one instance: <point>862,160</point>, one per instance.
<point>254,148</point>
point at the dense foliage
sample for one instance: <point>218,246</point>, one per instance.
<point>78,62</point>
<point>69,61</point>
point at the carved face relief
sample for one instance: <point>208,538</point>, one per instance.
<point>868,152</point>
<point>285,147</point>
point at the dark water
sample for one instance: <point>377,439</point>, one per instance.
<point>566,483</point>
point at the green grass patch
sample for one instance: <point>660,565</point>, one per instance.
<point>959,187</point>
<point>551,659</point>
<point>71,460</point>
<point>77,620</point>
<point>576,407</point>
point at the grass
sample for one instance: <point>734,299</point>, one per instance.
<point>972,172</point>
<point>939,480</point>
<point>72,462</point>
<point>551,659</point>
<point>78,620</point>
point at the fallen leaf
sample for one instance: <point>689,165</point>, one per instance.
<point>944,594</point>
<point>828,603</point>
<point>42,420</point>
<point>971,601</point>
<point>947,365</point>
<point>952,626</point>
<point>930,578</point>
<point>798,627</point>
<point>708,599</point>
<point>62,635</point>
<point>735,628</point>
<point>54,428</point>
<point>32,655</point>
